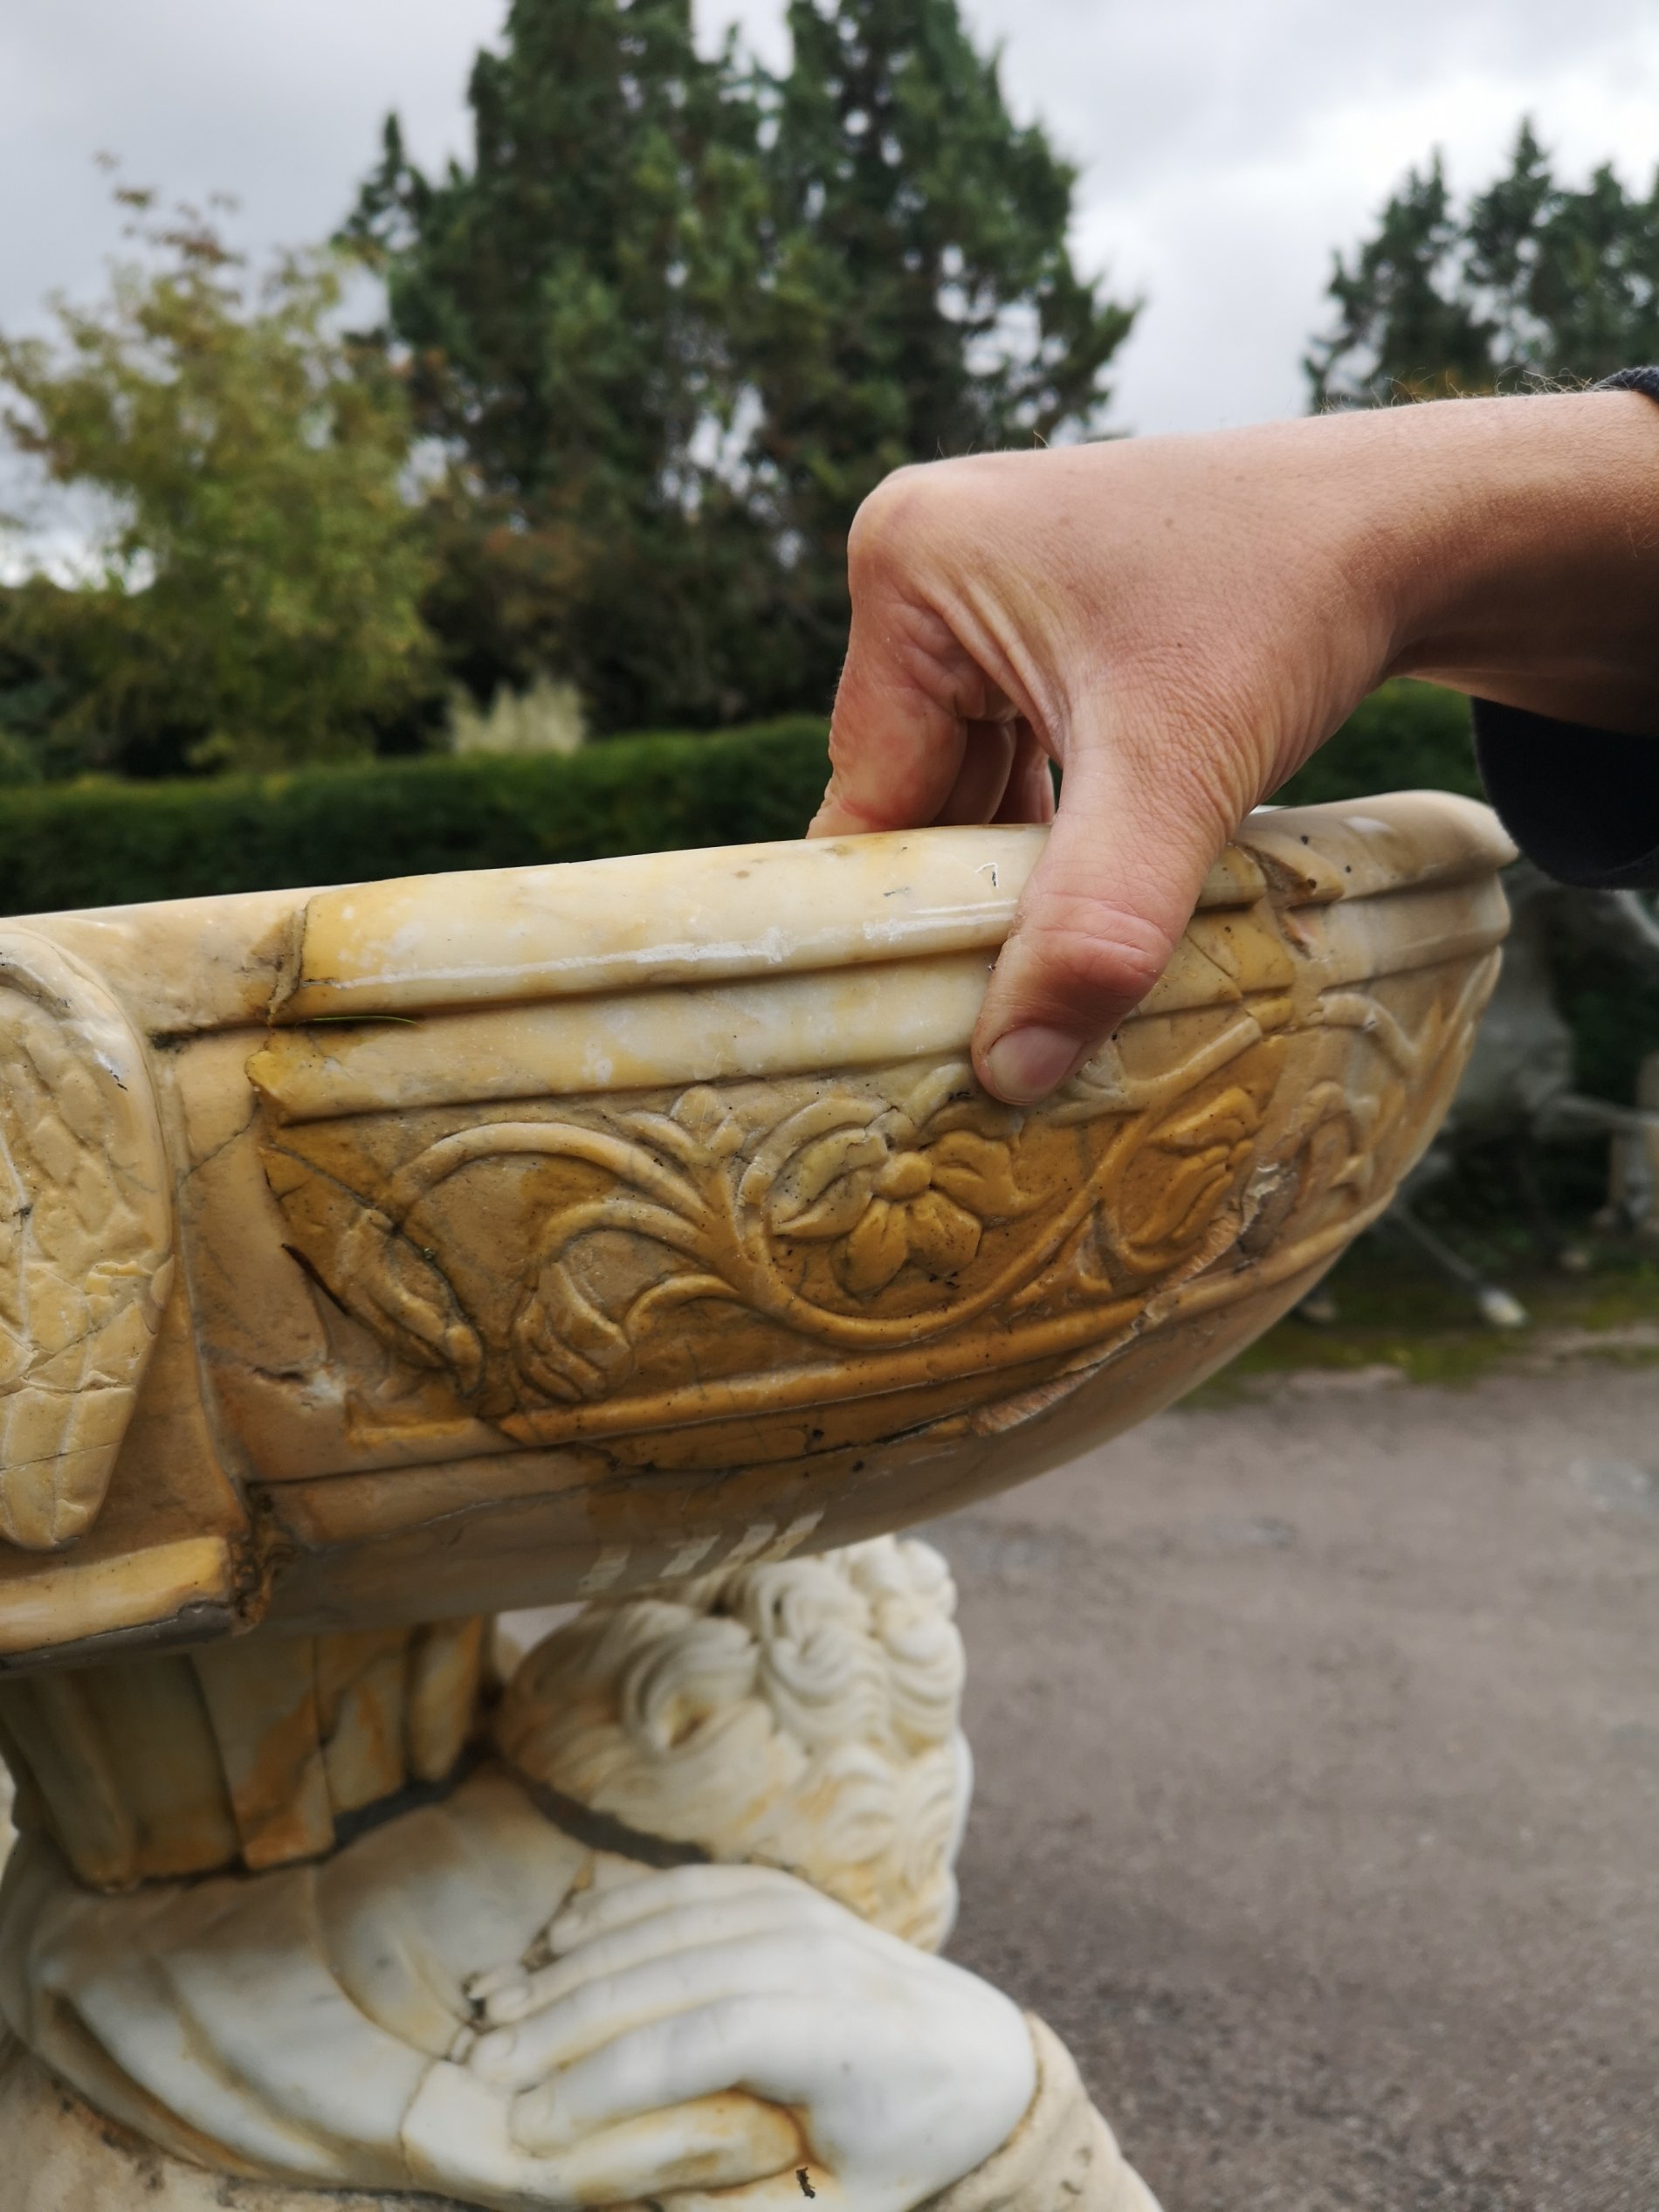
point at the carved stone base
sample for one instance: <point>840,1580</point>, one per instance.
<point>612,1233</point>
<point>61,2156</point>
<point>651,1925</point>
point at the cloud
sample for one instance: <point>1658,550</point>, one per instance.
<point>277,101</point>
<point>1226,146</point>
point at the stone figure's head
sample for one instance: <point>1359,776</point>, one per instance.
<point>802,1715</point>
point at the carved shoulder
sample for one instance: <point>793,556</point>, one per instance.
<point>85,1238</point>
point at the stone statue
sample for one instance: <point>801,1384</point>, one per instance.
<point>671,1933</point>
<point>376,1260</point>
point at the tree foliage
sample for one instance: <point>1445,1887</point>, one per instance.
<point>677,316</point>
<point>1530,278</point>
<point>254,594</point>
<point>652,344</point>
<point>918,297</point>
<point>567,302</point>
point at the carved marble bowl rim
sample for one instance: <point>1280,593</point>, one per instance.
<point>584,984</point>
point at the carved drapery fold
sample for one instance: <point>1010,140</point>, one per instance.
<point>248,1753</point>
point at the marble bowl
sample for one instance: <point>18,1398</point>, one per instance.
<point>557,1230</point>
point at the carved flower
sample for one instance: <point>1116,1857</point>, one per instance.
<point>884,1205</point>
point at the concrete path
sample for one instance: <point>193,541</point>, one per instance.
<point>1319,1809</point>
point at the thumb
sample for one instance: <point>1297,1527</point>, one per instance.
<point>1099,922</point>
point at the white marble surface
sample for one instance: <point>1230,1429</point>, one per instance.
<point>803,1714</point>
<point>63,2157</point>
<point>467,2000</point>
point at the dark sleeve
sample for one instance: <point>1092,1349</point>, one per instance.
<point>1583,803</point>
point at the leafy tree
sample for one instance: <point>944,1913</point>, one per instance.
<point>566,304</point>
<point>677,317</point>
<point>255,596</point>
<point>35,703</point>
<point>1530,278</point>
<point>919,298</point>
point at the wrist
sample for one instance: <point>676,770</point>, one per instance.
<point>1523,550</point>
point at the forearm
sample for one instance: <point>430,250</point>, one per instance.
<point>1507,548</point>
<point>1535,582</point>
<point>1180,622</point>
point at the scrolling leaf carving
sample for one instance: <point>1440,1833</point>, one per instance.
<point>582,1252</point>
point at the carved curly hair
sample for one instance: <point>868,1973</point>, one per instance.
<point>802,1714</point>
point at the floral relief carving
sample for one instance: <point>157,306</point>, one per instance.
<point>803,1217</point>
<point>660,1247</point>
<point>1184,1168</point>
<point>884,1197</point>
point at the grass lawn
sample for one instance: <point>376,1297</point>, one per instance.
<point>1392,1313</point>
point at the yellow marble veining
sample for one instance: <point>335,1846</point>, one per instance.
<point>247,1752</point>
<point>550,1232</point>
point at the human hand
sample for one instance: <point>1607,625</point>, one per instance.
<point>1178,623</point>
<point>724,2028</point>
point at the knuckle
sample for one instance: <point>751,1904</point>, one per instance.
<point>880,517</point>
<point>1083,950</point>
<point>916,513</point>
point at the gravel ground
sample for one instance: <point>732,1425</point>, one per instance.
<point>1318,1800</point>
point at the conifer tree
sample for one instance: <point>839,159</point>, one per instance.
<point>922,300</point>
<point>677,317</point>
<point>1532,279</point>
<point>564,304</point>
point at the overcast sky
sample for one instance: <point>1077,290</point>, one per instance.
<point>1226,146</point>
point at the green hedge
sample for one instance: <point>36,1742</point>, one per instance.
<point>102,843</point>
<point>1405,737</point>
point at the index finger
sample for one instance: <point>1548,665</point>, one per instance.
<point>911,691</point>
